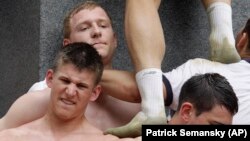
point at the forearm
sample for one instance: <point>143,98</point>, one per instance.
<point>121,85</point>
<point>25,109</point>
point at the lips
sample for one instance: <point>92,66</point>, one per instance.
<point>67,102</point>
<point>98,44</point>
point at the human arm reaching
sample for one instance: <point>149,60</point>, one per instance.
<point>26,108</point>
<point>121,85</point>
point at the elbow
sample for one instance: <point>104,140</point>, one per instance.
<point>133,92</point>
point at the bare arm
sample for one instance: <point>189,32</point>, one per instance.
<point>26,108</point>
<point>121,84</point>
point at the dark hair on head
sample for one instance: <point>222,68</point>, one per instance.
<point>83,56</point>
<point>246,29</point>
<point>84,5</point>
<point>205,91</point>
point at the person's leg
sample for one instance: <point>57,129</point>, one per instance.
<point>146,44</point>
<point>222,42</point>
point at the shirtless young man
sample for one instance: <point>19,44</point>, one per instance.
<point>74,82</point>
<point>87,22</point>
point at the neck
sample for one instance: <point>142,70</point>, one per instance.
<point>245,56</point>
<point>60,126</point>
<point>244,52</point>
<point>176,119</point>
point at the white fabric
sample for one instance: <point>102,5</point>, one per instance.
<point>220,18</point>
<point>238,75</point>
<point>221,38</point>
<point>149,83</point>
<point>38,86</point>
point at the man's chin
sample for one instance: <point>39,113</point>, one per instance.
<point>101,52</point>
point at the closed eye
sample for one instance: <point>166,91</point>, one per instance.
<point>84,28</point>
<point>82,86</point>
<point>103,24</point>
<point>65,80</point>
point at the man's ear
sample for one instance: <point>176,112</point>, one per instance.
<point>96,92</point>
<point>186,111</point>
<point>49,77</point>
<point>66,41</point>
<point>242,41</point>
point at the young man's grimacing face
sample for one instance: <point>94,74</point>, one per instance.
<point>71,90</point>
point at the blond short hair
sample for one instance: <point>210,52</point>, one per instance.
<point>85,5</point>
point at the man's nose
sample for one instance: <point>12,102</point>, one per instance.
<point>96,31</point>
<point>71,90</point>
